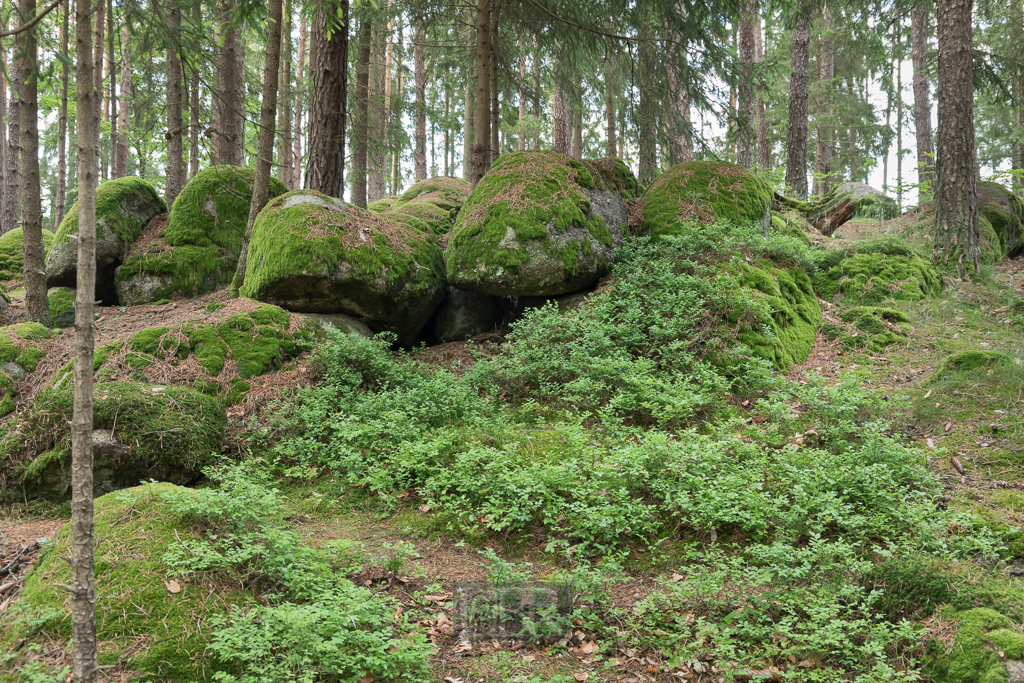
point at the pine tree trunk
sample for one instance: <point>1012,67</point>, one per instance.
<point>647,119</point>
<point>112,90</point>
<point>764,160</point>
<point>362,115</point>
<point>922,98</point>
<point>495,108</point>
<point>469,130</point>
<point>97,80</point>
<point>799,82</point>
<point>300,80</point>
<point>4,171</point>
<point>482,116</point>
<point>123,110</point>
<point>228,101</point>
<point>448,160</point>
<point>268,120</point>
<point>193,110</point>
<point>83,588</point>
<point>375,156</point>
<point>12,189</point>
<point>62,121</point>
<point>536,90</point>
<point>325,165</point>
<point>680,145</point>
<point>609,102</point>
<point>395,112</point>
<point>175,168</point>
<point>899,120</point>
<point>284,153</point>
<point>745,119</point>
<point>824,150</point>
<point>37,308</point>
<point>420,74</point>
<point>956,200</point>
<point>559,120</point>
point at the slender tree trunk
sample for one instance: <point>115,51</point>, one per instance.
<point>495,107</point>
<point>745,120</point>
<point>536,90</point>
<point>482,117</point>
<point>12,191</point>
<point>175,167</point>
<point>97,80</point>
<point>825,149</point>
<point>62,121</point>
<point>228,101</point>
<point>121,157</point>
<point>36,307</point>
<point>560,120</point>
<point>609,101</point>
<point>899,112</point>
<point>576,117</point>
<point>922,98</point>
<point>376,135</point>
<point>796,137</point>
<point>300,79</point>
<point>284,154</point>
<point>469,131</point>
<point>325,169</point>
<point>5,172</point>
<point>193,109</point>
<point>679,126</point>
<point>521,142</point>
<point>419,52</point>
<point>362,115</point>
<point>647,119</point>
<point>83,588</point>
<point>268,120</point>
<point>112,90</point>
<point>956,199</point>
<point>395,115</point>
<point>764,160</point>
<point>448,161</point>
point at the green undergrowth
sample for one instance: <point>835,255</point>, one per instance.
<point>12,251</point>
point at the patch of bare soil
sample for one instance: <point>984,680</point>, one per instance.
<point>19,546</point>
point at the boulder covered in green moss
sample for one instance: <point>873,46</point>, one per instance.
<point>123,208</point>
<point>874,272</point>
<point>920,234</point>
<point>197,251</point>
<point>537,224</point>
<point>381,205</point>
<point>791,311</point>
<point>986,643</point>
<point>867,201</point>
<point>706,192</point>
<point>435,200</point>
<point>12,251</point>
<point>22,346</point>
<point>142,432</point>
<point>312,253</point>
<point>62,306</point>
<point>1004,210</point>
<point>876,327</point>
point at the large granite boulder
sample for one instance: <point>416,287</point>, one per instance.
<point>539,224</point>
<point>123,208</point>
<point>435,200</point>
<point>315,254</point>
<point>195,250</point>
<point>1004,210</point>
<point>11,251</point>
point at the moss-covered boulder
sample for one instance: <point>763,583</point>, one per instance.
<point>1004,210</point>
<point>146,624</point>
<point>537,224</point>
<point>435,200</point>
<point>123,208</point>
<point>315,254</point>
<point>152,432</point>
<point>874,272</point>
<point>876,327</point>
<point>920,234</point>
<point>381,205</point>
<point>196,251</point>
<point>62,306</point>
<point>12,250</point>
<point>22,346</point>
<point>706,192</point>
<point>965,361</point>
<point>867,201</point>
<point>787,299</point>
<point>985,644</point>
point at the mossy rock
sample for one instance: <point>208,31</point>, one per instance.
<point>705,192</point>
<point>536,224</point>
<point>198,250</point>
<point>792,225</point>
<point>135,529</point>
<point>12,252</point>
<point>123,208</point>
<point>611,174</point>
<point>315,254</point>
<point>921,236</point>
<point>965,361</point>
<point>867,201</point>
<point>62,306</point>
<point>466,314</point>
<point>882,327</point>
<point>435,200</point>
<point>792,309</point>
<point>154,432</point>
<point>873,273</point>
<point>22,346</point>
<point>381,205</point>
<point>1004,210</point>
<point>984,640</point>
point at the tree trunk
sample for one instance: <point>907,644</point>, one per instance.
<point>175,168</point>
<point>325,165</point>
<point>576,119</point>
<point>495,107</point>
<point>647,119</point>
<point>680,142</point>
<point>193,109</point>
<point>420,74</point>
<point>12,191</point>
<point>284,154</point>
<point>377,127</point>
<point>228,101</point>
<point>5,173</point>
<point>121,157</point>
<point>37,308</point>
<point>824,150</point>
<point>362,112</point>
<point>300,80</point>
<point>745,90</point>
<point>559,120</point>
<point>97,79</point>
<point>112,90</point>
<point>799,81</point>
<point>899,113</point>
<point>448,160</point>
<point>268,116</point>
<point>83,588</point>
<point>482,116</point>
<point>62,121</point>
<point>922,98</point>
<point>536,91</point>
<point>956,200</point>
<point>764,160</point>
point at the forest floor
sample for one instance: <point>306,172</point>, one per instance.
<point>975,427</point>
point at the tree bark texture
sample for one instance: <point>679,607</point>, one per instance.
<point>763,151</point>
<point>62,120</point>
<point>112,90</point>
<point>97,76</point>
<point>609,102</point>
<point>12,189</point>
<point>799,82</point>
<point>536,91</point>
<point>4,171</point>
<point>325,165</point>
<point>377,123</point>
<point>37,307</point>
<point>265,141</point>
<point>419,52</point>
<point>922,98</point>
<point>284,154</point>
<point>647,119</point>
<point>560,120</point>
<point>228,100</point>
<point>175,167</point>
<point>300,80</point>
<point>745,90</point>
<point>680,142</point>
<point>482,115</point>
<point>956,196</point>
<point>362,115</point>
<point>495,107</point>
<point>576,119</point>
<point>123,108</point>
<point>521,143</point>
<point>824,149</point>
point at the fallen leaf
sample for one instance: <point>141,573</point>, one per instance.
<point>528,658</point>
<point>173,586</point>
<point>928,394</point>
<point>588,647</point>
<point>949,426</point>
<point>678,577</point>
<point>452,679</point>
<point>463,646</point>
<point>366,677</point>
<point>424,508</point>
<point>581,676</point>
<point>931,444</point>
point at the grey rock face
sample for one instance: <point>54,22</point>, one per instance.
<point>466,314</point>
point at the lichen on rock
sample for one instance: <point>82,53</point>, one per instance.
<point>705,192</point>
<point>537,224</point>
<point>312,253</point>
